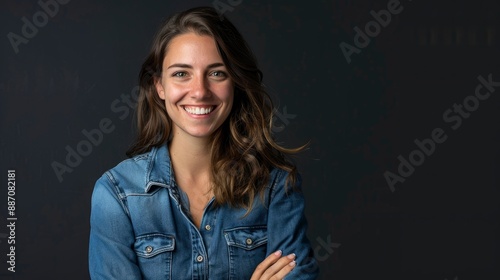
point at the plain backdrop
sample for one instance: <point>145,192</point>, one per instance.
<point>360,118</point>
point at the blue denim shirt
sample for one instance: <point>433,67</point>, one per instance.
<point>139,229</point>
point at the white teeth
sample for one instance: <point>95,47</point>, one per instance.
<point>198,110</point>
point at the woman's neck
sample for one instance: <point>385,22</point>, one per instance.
<point>190,157</point>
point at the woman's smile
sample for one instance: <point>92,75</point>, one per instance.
<point>195,86</point>
<point>199,110</point>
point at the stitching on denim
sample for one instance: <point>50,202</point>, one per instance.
<point>122,198</point>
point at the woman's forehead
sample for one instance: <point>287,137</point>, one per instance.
<point>190,48</point>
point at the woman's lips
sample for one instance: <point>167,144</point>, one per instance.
<point>199,110</point>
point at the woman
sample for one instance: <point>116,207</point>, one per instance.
<point>207,193</point>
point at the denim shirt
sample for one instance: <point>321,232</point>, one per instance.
<point>139,229</point>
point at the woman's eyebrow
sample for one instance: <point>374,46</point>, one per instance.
<point>183,65</point>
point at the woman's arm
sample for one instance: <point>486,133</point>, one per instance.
<point>111,254</point>
<point>287,227</point>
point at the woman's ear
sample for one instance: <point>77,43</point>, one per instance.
<point>159,88</point>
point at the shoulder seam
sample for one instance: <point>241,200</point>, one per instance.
<point>119,192</point>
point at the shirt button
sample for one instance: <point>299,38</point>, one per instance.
<point>249,241</point>
<point>208,227</point>
<point>149,249</point>
<point>199,258</point>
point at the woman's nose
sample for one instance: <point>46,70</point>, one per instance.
<point>200,88</point>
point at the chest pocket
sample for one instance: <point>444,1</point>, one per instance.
<point>247,248</point>
<point>154,255</point>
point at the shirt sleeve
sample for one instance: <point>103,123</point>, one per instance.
<point>287,227</point>
<point>111,254</point>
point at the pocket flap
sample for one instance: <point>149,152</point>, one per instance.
<point>246,238</point>
<point>150,245</point>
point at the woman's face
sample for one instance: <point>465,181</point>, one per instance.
<point>195,86</point>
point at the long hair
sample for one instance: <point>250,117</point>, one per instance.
<point>243,151</point>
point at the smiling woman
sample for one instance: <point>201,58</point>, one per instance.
<point>197,90</point>
<point>207,192</point>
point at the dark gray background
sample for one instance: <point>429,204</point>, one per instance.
<point>441,223</point>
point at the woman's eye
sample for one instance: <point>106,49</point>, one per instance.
<point>179,74</point>
<point>219,74</point>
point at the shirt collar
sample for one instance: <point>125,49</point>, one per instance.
<point>159,169</point>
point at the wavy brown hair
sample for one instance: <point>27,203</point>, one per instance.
<point>242,148</point>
